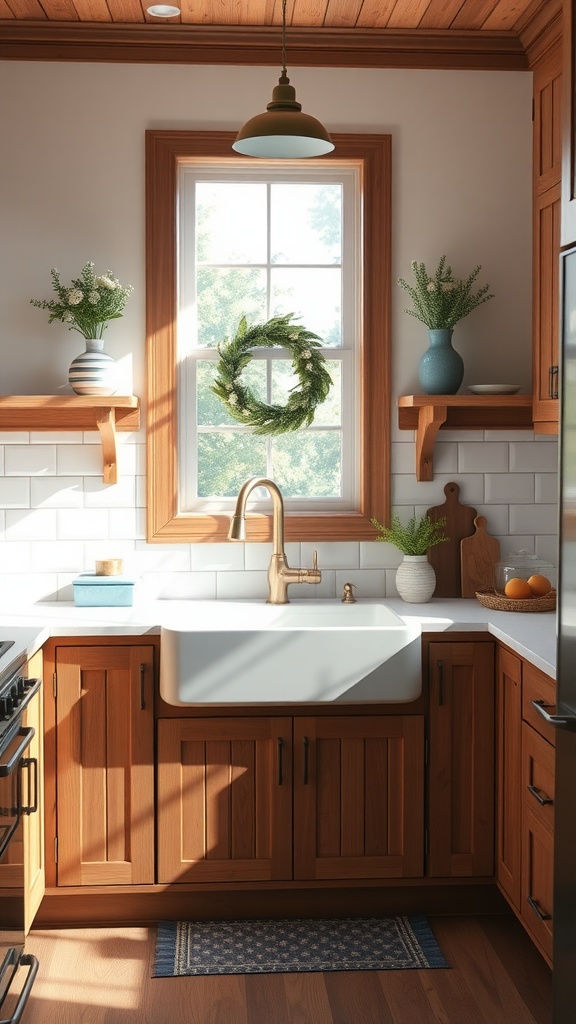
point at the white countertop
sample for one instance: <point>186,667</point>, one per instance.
<point>532,635</point>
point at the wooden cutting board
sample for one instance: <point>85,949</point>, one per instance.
<point>445,557</point>
<point>478,554</point>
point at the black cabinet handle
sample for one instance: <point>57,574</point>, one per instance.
<point>542,800</point>
<point>31,764</point>
<point>539,913</point>
<point>305,746</point>
<point>142,687</point>
<point>280,749</point>
<point>440,668</point>
<point>553,382</point>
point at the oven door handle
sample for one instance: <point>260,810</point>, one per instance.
<point>7,768</point>
<point>31,962</point>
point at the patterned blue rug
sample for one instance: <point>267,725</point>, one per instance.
<point>186,948</point>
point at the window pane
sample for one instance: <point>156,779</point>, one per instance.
<point>313,295</point>
<point>210,410</point>
<point>306,223</point>
<point>226,459</point>
<point>308,464</point>
<point>224,297</point>
<point>329,413</point>
<point>230,222</point>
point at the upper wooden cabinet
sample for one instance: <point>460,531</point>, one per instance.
<point>568,232</point>
<point>546,252</point>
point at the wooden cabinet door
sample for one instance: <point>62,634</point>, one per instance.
<point>358,797</point>
<point>461,762</point>
<point>538,770</point>
<point>105,765</point>
<point>569,124</point>
<point>547,161</point>
<point>224,799</point>
<point>546,301</point>
<point>509,770</point>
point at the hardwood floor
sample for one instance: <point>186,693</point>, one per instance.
<point>102,976</point>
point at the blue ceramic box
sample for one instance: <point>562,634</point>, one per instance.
<point>92,591</point>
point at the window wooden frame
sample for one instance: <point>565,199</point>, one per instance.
<point>164,151</point>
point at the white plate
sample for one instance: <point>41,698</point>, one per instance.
<point>494,389</point>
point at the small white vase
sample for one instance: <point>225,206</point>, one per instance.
<point>93,372</point>
<point>415,579</point>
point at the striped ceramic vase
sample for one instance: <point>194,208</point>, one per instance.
<point>93,372</point>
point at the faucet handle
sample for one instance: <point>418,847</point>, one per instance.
<point>314,559</point>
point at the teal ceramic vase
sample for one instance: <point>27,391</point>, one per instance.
<point>441,369</point>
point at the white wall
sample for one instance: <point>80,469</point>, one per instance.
<point>72,189</point>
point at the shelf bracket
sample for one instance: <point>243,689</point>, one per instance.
<point>430,419</point>
<point>106,421</point>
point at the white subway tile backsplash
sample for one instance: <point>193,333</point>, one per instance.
<point>79,460</point>
<point>489,457</point>
<point>337,555</point>
<point>533,458</point>
<point>546,487</point>
<point>378,555</point>
<point>97,494</point>
<point>220,557</point>
<point>536,519</point>
<point>26,588</point>
<point>31,524</point>
<point>30,460</point>
<point>60,517</point>
<point>367,582</point>
<point>510,487</point>
<point>82,523</point>
<point>66,556</point>
<point>15,492</point>
<point>56,492</point>
<point>257,556</point>
<point>15,556</point>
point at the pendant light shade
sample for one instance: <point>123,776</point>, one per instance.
<point>283,131</point>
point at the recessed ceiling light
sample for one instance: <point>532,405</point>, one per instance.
<point>163,11</point>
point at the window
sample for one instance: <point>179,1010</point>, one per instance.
<point>334,475</point>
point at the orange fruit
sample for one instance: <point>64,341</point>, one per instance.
<point>539,585</point>
<point>518,589</point>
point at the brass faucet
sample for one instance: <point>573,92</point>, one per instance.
<point>280,575</point>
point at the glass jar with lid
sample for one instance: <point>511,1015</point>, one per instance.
<point>522,565</point>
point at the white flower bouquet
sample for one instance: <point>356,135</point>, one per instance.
<point>88,303</point>
<point>441,300</point>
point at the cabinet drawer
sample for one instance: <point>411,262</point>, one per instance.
<point>537,879</point>
<point>538,761</point>
<point>537,686</point>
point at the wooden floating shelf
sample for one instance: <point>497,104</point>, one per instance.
<point>427,414</point>
<point>75,412</point>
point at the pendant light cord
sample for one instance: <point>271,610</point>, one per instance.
<point>284,71</point>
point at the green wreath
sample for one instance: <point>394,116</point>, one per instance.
<point>308,363</point>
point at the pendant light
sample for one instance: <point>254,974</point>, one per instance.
<point>283,132</point>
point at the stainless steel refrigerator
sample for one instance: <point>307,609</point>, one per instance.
<point>564,715</point>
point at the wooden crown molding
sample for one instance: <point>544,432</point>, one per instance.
<point>247,45</point>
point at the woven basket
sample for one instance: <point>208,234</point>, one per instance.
<point>499,603</point>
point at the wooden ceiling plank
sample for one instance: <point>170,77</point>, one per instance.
<point>512,14</point>
<point>60,10</point>
<point>127,11</point>
<point>375,13</point>
<point>441,14</point>
<point>26,9</point>
<point>307,13</point>
<point>5,11</point>
<point>473,14</point>
<point>92,10</point>
<point>408,14</point>
<point>342,13</point>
